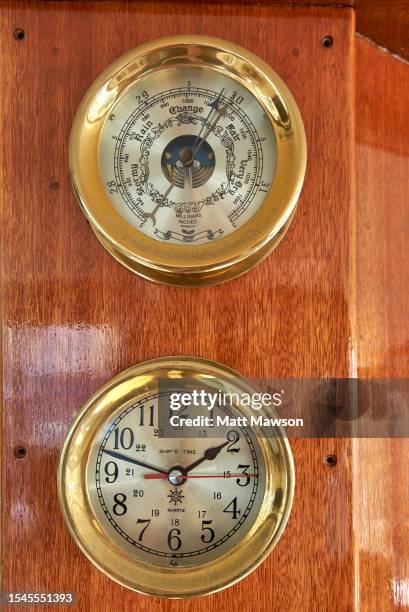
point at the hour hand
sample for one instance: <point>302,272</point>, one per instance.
<point>209,454</point>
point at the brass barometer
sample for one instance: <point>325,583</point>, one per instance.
<point>188,155</point>
<point>165,508</point>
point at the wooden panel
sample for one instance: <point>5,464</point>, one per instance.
<point>73,317</point>
<point>387,23</point>
<point>285,3</point>
<point>381,489</point>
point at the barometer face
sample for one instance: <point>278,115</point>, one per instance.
<point>174,511</point>
<point>188,157</point>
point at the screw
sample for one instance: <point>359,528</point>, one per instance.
<point>330,460</point>
<point>20,452</point>
<point>327,41</point>
<point>19,34</point>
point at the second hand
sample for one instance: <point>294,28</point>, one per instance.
<point>189,476</point>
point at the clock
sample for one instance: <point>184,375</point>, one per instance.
<point>187,156</point>
<point>171,499</point>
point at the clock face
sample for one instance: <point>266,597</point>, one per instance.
<point>175,502</point>
<point>187,155</point>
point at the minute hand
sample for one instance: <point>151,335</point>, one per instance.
<point>135,461</point>
<point>209,455</point>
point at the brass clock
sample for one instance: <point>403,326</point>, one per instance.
<point>188,155</point>
<point>175,515</point>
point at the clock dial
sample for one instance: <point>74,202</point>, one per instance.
<point>187,155</point>
<point>174,509</point>
<point>175,501</point>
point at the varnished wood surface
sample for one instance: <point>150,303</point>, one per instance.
<point>386,23</point>
<point>277,3</point>
<point>73,317</point>
<point>381,476</point>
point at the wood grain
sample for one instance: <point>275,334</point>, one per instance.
<point>386,23</point>
<point>381,478</point>
<point>73,317</point>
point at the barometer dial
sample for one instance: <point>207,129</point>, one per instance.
<point>162,506</point>
<point>188,157</point>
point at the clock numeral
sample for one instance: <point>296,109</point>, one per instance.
<point>138,492</point>
<point>124,438</point>
<point>209,537</point>
<point>155,512</point>
<point>216,495</point>
<point>247,480</point>
<point>141,522</point>
<point>233,437</point>
<point>111,473</point>
<point>180,411</point>
<point>119,507</point>
<point>174,542</point>
<point>142,416</point>
<point>234,512</point>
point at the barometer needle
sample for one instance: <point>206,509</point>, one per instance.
<point>188,171</point>
<point>135,461</point>
<point>213,106</point>
<point>220,114</point>
<point>151,215</point>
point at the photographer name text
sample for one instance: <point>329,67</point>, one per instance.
<point>227,421</point>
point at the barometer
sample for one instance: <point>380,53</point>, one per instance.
<point>187,156</point>
<point>171,497</point>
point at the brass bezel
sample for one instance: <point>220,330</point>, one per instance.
<point>128,570</point>
<point>226,257</point>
